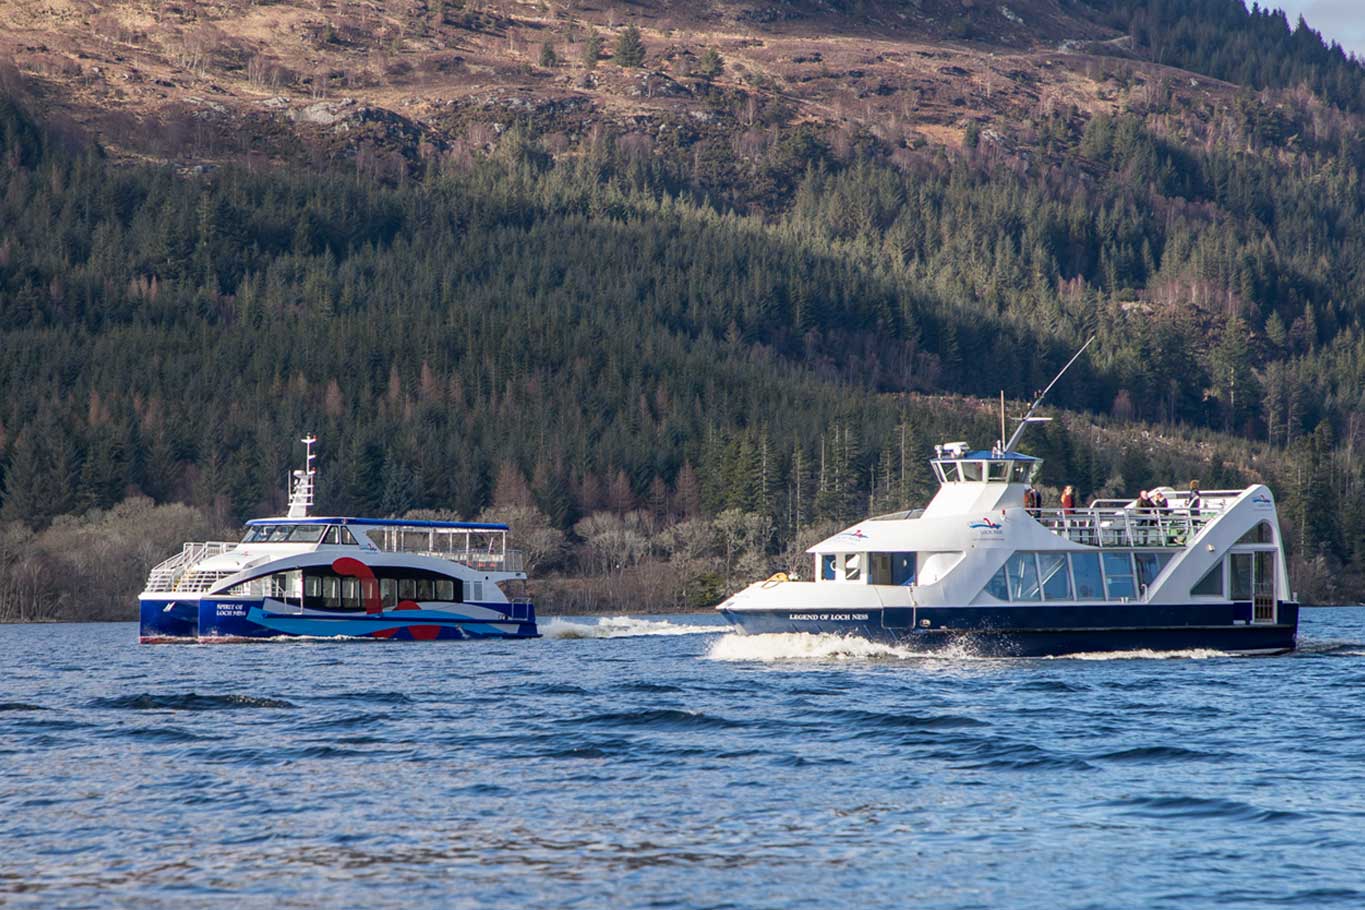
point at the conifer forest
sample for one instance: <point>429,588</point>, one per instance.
<point>672,358</point>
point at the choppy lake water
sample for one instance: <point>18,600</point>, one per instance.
<point>659,763</point>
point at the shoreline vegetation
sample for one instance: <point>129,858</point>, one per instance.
<point>666,554</point>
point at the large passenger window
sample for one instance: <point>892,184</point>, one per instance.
<point>1239,574</point>
<point>971,470</point>
<point>306,534</point>
<point>1052,570</point>
<point>1118,575</point>
<point>445,589</point>
<point>997,587</point>
<point>1023,577</point>
<point>388,592</point>
<point>1085,567</point>
<point>1149,566</point>
<point>1211,585</point>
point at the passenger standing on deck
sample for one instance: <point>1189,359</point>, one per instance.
<point>1161,508</point>
<point>1068,500</point>
<point>1195,502</point>
<point>1143,524</point>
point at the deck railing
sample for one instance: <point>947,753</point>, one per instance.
<point>1116,523</point>
<point>170,574</point>
<point>454,548</point>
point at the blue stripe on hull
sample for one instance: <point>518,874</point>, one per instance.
<point>1041,631</point>
<point>163,620</point>
<point>242,620</point>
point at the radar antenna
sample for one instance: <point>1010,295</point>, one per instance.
<point>301,491</point>
<point>1028,417</point>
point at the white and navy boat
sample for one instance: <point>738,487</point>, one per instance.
<point>978,571</point>
<point>304,576</point>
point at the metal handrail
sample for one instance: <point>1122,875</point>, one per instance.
<point>166,575</point>
<point>1127,526</point>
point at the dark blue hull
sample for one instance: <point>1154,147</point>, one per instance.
<point>1043,631</point>
<point>166,620</point>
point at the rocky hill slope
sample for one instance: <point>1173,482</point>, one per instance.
<point>395,84</point>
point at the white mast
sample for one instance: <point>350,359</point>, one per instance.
<point>301,496</point>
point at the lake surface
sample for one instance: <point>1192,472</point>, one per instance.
<point>658,763</point>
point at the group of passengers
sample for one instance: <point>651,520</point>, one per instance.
<point>1152,509</point>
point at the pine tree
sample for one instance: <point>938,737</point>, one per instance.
<point>592,49</point>
<point>630,48</point>
<point>710,66</point>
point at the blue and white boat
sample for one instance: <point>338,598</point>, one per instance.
<point>976,571</point>
<point>305,576</point>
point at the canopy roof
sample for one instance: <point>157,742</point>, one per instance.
<point>381,522</point>
<point>987,455</point>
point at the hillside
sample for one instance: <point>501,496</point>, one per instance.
<point>711,297</point>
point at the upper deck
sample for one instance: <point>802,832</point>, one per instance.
<point>201,565</point>
<point>1120,523</point>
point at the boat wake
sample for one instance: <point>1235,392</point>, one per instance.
<point>619,627</point>
<point>799,646</point>
<point>783,646</point>
<point>1144,654</point>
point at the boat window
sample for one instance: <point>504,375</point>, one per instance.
<point>306,534</point>
<point>1022,571</point>
<point>1149,566</point>
<point>332,536</point>
<point>1211,585</point>
<point>445,589</point>
<point>347,540</point>
<point>1259,534</point>
<point>350,594</point>
<point>973,470</point>
<point>252,535</point>
<point>1239,574</point>
<point>424,589</point>
<point>277,533</point>
<point>388,592</point>
<point>1085,569</point>
<point>1118,575</point>
<point>1055,579</point>
<point>879,568</point>
<point>998,470</point>
<point>997,587</point>
<point>312,586</point>
<point>331,592</point>
<point>853,567</point>
<point>827,567</point>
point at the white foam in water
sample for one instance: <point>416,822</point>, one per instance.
<point>1144,654</point>
<point>619,627</point>
<point>788,646</point>
<point>774,646</point>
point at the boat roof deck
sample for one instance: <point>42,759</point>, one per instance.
<point>382,523</point>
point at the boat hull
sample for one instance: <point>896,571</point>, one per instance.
<point>1041,631</point>
<point>168,620</point>
<point>228,620</point>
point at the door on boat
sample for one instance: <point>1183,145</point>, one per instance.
<point>1263,587</point>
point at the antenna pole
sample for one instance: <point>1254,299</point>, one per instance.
<point>1024,421</point>
<point>1002,421</point>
